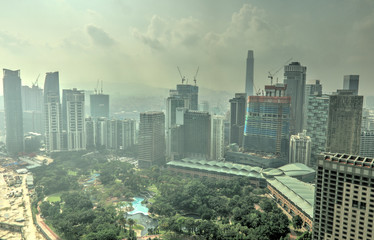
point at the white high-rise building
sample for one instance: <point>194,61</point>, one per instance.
<point>367,143</point>
<point>300,149</point>
<point>217,137</point>
<point>75,121</point>
<point>53,118</point>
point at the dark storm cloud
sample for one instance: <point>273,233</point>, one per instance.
<point>99,36</point>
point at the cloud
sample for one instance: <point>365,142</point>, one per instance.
<point>99,36</point>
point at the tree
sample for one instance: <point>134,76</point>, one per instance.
<point>297,222</point>
<point>131,223</point>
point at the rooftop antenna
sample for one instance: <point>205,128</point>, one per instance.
<point>96,90</point>
<point>194,78</point>
<point>101,87</point>
<point>182,77</point>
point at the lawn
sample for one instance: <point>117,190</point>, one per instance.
<point>138,227</point>
<point>72,173</point>
<point>54,197</point>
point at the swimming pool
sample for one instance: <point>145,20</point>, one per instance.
<point>138,207</point>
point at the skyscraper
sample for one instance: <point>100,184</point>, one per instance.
<point>367,143</point>
<point>52,113</point>
<point>312,88</point>
<point>217,138</point>
<point>267,125</point>
<point>51,84</point>
<point>99,105</point>
<point>300,149</point>
<point>151,139</point>
<point>75,121</point>
<point>344,123</point>
<point>343,206</point>
<point>32,106</point>
<point>295,77</point>
<point>13,111</point>
<point>351,82</point>
<point>172,103</point>
<point>191,93</point>
<point>317,119</point>
<point>249,74</point>
<point>197,134</point>
<point>237,118</point>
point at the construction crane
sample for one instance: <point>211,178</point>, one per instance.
<point>271,75</point>
<point>182,77</point>
<point>36,81</point>
<point>194,78</point>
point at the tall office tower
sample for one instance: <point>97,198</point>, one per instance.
<point>317,118</point>
<point>343,206</point>
<point>312,88</point>
<point>249,74</point>
<point>52,85</point>
<point>295,77</point>
<point>344,123</point>
<point>197,127</point>
<point>217,146</point>
<point>267,125</point>
<point>300,149</point>
<point>367,143</point>
<point>65,93</point>
<point>75,121</point>
<point>99,105</point>
<point>237,118</point>
<point>13,111</point>
<point>151,139</point>
<point>351,83</point>
<point>189,92</point>
<point>172,103</point>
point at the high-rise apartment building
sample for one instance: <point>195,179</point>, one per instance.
<point>344,123</point>
<point>267,125</point>
<point>367,143</point>
<point>197,134</point>
<point>300,149</point>
<point>51,84</point>
<point>351,82</point>
<point>317,119</point>
<point>120,134</point>
<point>13,111</point>
<point>343,206</point>
<point>151,139</point>
<point>99,105</point>
<point>52,113</point>
<point>217,146</point>
<point>312,88</point>
<point>249,74</point>
<point>295,78</point>
<point>75,119</point>
<point>237,118</point>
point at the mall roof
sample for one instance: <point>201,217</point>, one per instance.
<point>296,191</point>
<point>296,169</point>
<point>219,167</point>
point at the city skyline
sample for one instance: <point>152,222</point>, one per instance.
<point>119,40</point>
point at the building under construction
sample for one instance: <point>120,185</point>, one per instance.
<point>267,125</point>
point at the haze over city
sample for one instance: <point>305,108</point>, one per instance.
<point>136,45</point>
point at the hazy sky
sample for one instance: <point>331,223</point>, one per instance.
<point>135,45</point>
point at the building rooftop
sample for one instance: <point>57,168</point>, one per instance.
<point>300,193</point>
<point>349,159</point>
